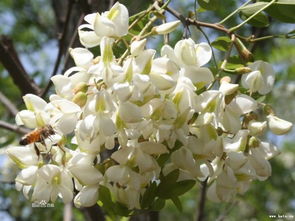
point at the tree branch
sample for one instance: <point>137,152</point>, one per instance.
<point>201,211</point>
<point>14,128</point>
<point>8,104</point>
<point>10,60</point>
<point>61,47</point>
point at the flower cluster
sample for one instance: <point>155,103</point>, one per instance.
<point>127,123</point>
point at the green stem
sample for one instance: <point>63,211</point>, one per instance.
<point>234,12</point>
<point>252,16</point>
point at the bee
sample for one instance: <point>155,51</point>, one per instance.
<point>37,136</point>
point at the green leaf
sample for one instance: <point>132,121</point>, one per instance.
<point>209,4</point>
<point>234,62</point>
<point>282,11</point>
<point>171,177</point>
<point>221,43</point>
<point>121,210</point>
<point>106,199</point>
<point>149,195</point>
<point>177,203</point>
<point>158,204</point>
<point>175,189</point>
<point>260,20</point>
<point>182,187</point>
<point>163,159</point>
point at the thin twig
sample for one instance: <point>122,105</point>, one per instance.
<point>10,60</point>
<point>68,212</point>
<point>72,41</point>
<point>111,3</point>
<point>201,208</point>
<point>61,47</point>
<point>14,128</point>
<point>8,104</point>
<point>252,16</point>
<point>234,12</point>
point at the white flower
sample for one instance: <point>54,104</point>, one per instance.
<point>187,53</point>
<point>52,181</point>
<point>261,78</point>
<point>88,37</point>
<point>278,126</point>
<point>81,167</point>
<point>113,23</point>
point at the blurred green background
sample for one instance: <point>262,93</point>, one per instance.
<point>33,25</point>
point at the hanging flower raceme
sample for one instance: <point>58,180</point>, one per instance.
<point>142,124</point>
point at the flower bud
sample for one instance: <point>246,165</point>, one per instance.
<point>80,98</point>
<point>226,79</point>
<point>243,51</point>
<point>166,28</point>
<point>243,70</point>
<point>137,47</point>
<point>278,126</point>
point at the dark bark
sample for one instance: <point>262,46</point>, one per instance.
<point>202,201</point>
<point>11,61</point>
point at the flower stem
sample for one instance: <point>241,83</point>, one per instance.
<point>234,12</point>
<point>252,16</point>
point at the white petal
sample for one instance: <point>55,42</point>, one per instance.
<point>27,176</point>
<point>130,113</point>
<point>238,143</point>
<point>81,56</point>
<point>66,106</point>
<point>66,194</point>
<point>27,118</point>
<point>88,38</point>
<point>121,20</point>
<point>243,104</point>
<point>162,81</point>
<point>153,148</point>
<point>137,47</point>
<point>199,75</point>
<point>228,88</point>
<point>67,123</point>
<point>87,196</point>
<point>86,174</point>
<point>204,53</point>
<point>34,103</point>
<point>23,156</point>
<point>48,171</point>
